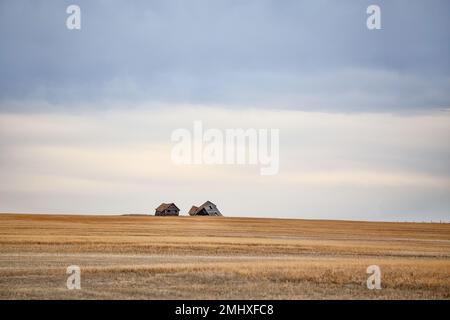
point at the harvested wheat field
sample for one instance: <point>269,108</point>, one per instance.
<point>146,257</point>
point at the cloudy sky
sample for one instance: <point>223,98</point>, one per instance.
<point>86,115</point>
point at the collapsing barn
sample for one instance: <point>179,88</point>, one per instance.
<point>206,209</point>
<point>167,209</point>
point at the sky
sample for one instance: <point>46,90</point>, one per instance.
<point>86,115</point>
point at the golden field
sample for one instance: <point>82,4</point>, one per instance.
<point>147,257</point>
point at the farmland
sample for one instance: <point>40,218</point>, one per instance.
<point>147,257</point>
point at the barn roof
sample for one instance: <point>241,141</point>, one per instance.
<point>193,210</point>
<point>164,206</point>
<point>207,203</point>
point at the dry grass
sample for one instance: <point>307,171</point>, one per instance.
<point>133,257</point>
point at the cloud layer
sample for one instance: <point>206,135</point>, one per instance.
<point>354,166</point>
<point>305,55</point>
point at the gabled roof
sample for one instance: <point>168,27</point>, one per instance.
<point>164,206</point>
<point>206,204</point>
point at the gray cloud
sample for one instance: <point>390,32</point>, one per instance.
<point>311,55</point>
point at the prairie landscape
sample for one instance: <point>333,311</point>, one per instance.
<point>147,257</point>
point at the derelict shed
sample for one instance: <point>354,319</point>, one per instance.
<point>206,209</point>
<point>167,209</point>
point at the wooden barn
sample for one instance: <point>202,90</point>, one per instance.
<point>206,209</point>
<point>167,209</point>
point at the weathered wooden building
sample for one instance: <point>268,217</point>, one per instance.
<point>167,209</point>
<point>206,209</point>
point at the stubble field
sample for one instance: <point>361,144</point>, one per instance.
<point>146,257</point>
